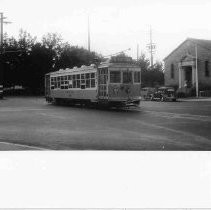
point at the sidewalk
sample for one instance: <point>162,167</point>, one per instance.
<point>195,99</point>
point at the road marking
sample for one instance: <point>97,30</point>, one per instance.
<point>20,109</point>
<point>22,145</point>
<point>182,116</point>
<point>195,137</point>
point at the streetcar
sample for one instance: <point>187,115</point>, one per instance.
<point>113,83</point>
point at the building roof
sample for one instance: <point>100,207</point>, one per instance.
<point>206,44</point>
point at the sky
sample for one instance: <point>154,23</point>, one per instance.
<point>115,25</point>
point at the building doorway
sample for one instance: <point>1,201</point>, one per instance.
<point>188,76</point>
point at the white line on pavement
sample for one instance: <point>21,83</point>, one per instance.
<point>22,145</point>
<point>19,110</point>
<point>182,116</point>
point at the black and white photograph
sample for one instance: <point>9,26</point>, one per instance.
<point>105,104</point>
<point>105,75</point>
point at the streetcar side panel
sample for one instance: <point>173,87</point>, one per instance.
<point>74,85</point>
<point>75,94</point>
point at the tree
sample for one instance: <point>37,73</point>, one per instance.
<point>150,77</point>
<point>75,56</point>
<point>144,62</point>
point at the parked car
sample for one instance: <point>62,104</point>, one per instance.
<point>147,92</point>
<point>164,94</point>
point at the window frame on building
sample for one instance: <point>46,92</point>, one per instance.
<point>206,68</point>
<point>172,71</point>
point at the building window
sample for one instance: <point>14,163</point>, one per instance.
<point>207,73</point>
<point>172,71</point>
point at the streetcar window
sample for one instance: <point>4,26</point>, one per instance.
<point>78,83</point>
<point>74,76</point>
<point>92,75</point>
<point>78,76</point>
<point>104,71</point>
<point>59,78</point>
<point>115,76</point>
<point>74,83</point>
<point>87,75</point>
<point>70,82</point>
<point>137,76</point>
<point>92,83</point>
<point>83,87</point>
<point>103,79</point>
<point>88,83</point>
<point>65,77</point>
<point>82,76</point>
<point>83,81</point>
<point>127,77</point>
<point>69,77</point>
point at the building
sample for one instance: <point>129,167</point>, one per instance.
<point>180,66</point>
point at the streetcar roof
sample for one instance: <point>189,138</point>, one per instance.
<point>93,67</point>
<point>83,68</point>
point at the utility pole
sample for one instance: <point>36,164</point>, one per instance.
<point>88,35</point>
<point>151,48</point>
<point>197,79</point>
<point>2,22</point>
<point>137,52</point>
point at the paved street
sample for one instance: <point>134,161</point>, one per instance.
<point>30,123</point>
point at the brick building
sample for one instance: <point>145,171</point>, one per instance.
<point>180,65</point>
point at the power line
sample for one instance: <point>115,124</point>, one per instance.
<point>117,53</point>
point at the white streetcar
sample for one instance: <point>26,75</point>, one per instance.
<point>114,83</point>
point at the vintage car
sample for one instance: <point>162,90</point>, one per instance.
<point>147,92</point>
<point>164,94</point>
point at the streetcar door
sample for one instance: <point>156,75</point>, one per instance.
<point>103,83</point>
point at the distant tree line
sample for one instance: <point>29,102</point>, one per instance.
<point>26,60</point>
<point>151,76</point>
